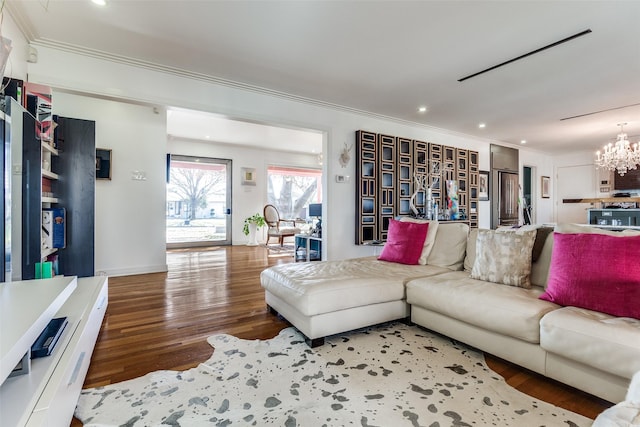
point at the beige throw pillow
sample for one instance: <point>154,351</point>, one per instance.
<point>504,257</point>
<point>450,246</point>
<point>542,231</point>
<point>431,236</point>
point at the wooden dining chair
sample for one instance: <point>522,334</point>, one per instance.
<point>275,227</point>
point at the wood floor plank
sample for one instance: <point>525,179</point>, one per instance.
<point>162,321</point>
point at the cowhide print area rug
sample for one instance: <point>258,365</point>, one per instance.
<point>389,376</point>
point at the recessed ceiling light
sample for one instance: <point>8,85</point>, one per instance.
<point>524,141</point>
<point>207,136</point>
<point>422,109</point>
<point>99,2</point>
<point>482,125</point>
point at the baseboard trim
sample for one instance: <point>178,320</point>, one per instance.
<point>114,272</point>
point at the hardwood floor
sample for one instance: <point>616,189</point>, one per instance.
<point>161,321</point>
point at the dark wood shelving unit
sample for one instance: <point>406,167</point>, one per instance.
<point>385,170</point>
<point>60,176</point>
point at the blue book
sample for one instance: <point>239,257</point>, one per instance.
<point>54,226</point>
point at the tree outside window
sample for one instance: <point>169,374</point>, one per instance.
<point>193,187</point>
<point>291,190</point>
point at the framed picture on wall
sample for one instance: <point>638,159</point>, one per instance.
<point>103,163</point>
<point>545,185</point>
<point>483,185</point>
<point>248,176</point>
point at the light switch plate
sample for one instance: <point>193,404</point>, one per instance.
<point>139,175</point>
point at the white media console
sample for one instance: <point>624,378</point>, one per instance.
<point>47,395</point>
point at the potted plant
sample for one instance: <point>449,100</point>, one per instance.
<point>251,224</point>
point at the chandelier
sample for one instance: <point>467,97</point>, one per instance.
<point>620,156</point>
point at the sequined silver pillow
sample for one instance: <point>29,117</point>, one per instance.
<point>504,257</point>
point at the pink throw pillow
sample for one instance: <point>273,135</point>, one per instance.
<point>597,272</point>
<point>404,242</point>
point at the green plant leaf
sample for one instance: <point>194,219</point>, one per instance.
<point>256,219</point>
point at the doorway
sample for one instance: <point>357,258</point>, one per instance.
<point>198,201</point>
<point>527,195</point>
<point>574,182</point>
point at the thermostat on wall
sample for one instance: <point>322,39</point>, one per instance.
<point>342,178</point>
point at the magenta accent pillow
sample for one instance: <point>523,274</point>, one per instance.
<point>597,272</point>
<point>404,242</point>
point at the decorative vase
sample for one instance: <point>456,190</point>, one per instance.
<point>429,204</point>
<point>253,235</point>
<point>452,199</point>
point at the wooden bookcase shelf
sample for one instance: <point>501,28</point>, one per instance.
<point>48,147</point>
<point>46,199</point>
<point>49,174</point>
<point>46,175</point>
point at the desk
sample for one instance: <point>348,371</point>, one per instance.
<point>308,248</point>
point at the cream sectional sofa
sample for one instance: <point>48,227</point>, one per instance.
<point>592,351</point>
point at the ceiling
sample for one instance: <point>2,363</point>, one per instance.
<point>390,57</point>
<point>199,125</point>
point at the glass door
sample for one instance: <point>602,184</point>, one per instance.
<point>198,201</point>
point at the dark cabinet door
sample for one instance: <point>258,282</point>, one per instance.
<point>76,193</point>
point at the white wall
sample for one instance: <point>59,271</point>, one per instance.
<point>17,64</point>
<point>62,70</point>
<point>100,78</point>
<point>579,180</point>
<point>130,215</point>
<point>543,165</point>
<point>247,200</point>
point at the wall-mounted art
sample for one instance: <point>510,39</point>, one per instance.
<point>483,185</point>
<point>248,176</point>
<point>545,187</point>
<point>103,163</point>
<point>398,176</point>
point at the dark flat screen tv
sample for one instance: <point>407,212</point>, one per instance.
<point>630,180</point>
<point>315,209</point>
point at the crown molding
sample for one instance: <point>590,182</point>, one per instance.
<point>21,20</point>
<point>179,72</point>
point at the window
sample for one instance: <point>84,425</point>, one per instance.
<point>291,190</point>
<point>198,194</point>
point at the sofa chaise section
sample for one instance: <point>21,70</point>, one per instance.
<point>329,297</point>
